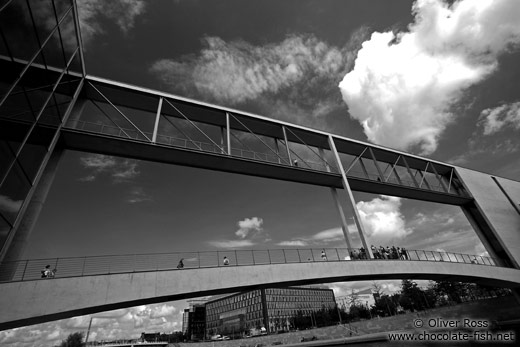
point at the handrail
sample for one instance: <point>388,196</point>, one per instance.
<point>28,270</point>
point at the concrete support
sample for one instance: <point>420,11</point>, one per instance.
<point>344,225</point>
<point>346,186</point>
<point>23,232</point>
<point>157,118</point>
<point>228,134</point>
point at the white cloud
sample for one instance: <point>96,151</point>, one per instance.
<point>121,170</point>
<point>232,243</point>
<point>293,243</point>
<point>249,225</point>
<point>127,323</point>
<point>403,85</point>
<point>321,238</point>
<point>237,71</point>
<point>9,205</point>
<point>495,119</point>
<point>383,220</point>
<point>137,195</point>
<point>122,12</point>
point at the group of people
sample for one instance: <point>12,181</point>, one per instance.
<point>389,252</point>
<point>47,272</point>
<point>381,253</point>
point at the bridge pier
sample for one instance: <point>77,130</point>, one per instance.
<point>346,186</point>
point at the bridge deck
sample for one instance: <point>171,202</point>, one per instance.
<point>32,302</point>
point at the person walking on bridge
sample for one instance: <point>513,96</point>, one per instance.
<point>226,261</point>
<point>323,255</point>
<point>181,264</point>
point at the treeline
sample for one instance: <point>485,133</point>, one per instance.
<point>410,298</point>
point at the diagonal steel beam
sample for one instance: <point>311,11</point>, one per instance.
<point>183,133</point>
<point>451,178</point>
<point>119,111</point>
<point>193,124</point>
<point>312,150</point>
<point>265,144</point>
<point>439,178</point>
<point>381,175</point>
<point>355,160</point>
<point>410,171</point>
<point>393,168</point>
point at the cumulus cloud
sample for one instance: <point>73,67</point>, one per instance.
<point>127,323</point>
<point>237,71</point>
<point>495,119</point>
<point>403,84</point>
<point>325,237</point>
<point>293,79</point>
<point>383,220</point>
<point>121,170</point>
<point>249,225</point>
<point>250,233</point>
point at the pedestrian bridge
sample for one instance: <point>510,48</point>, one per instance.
<point>104,283</point>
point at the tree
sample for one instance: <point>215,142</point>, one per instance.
<point>413,298</point>
<point>454,291</point>
<point>73,340</point>
<point>384,306</point>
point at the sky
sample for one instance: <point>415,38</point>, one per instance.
<point>430,78</point>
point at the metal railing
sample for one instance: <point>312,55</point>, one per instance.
<point>26,270</point>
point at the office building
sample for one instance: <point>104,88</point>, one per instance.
<point>269,308</point>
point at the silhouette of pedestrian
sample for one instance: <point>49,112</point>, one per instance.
<point>226,261</point>
<point>323,255</point>
<point>46,272</point>
<point>295,162</point>
<point>181,264</point>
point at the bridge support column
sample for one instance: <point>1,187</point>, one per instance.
<point>334,193</point>
<point>23,232</point>
<point>346,186</point>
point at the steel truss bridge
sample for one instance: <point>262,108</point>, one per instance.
<point>49,103</point>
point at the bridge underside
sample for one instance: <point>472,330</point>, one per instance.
<point>34,302</point>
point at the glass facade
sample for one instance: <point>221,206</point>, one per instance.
<point>41,71</point>
<point>194,322</point>
<point>269,308</point>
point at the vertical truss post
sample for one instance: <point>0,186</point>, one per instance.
<point>357,219</point>
<point>410,172</point>
<point>287,144</point>
<point>228,134</point>
<point>157,117</point>
<point>381,175</point>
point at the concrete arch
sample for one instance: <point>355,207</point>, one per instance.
<point>32,302</point>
